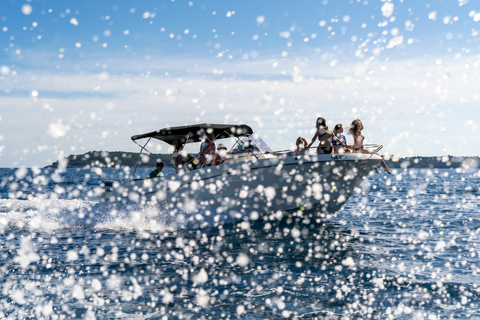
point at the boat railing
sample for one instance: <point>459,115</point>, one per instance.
<point>370,148</point>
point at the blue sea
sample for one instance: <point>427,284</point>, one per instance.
<point>404,246</point>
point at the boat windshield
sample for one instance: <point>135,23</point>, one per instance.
<point>252,143</point>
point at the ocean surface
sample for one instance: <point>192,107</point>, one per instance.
<point>405,246</point>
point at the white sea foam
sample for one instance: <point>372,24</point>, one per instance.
<point>48,215</point>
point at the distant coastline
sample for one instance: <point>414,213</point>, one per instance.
<point>111,159</point>
<point>120,159</point>
<point>439,162</point>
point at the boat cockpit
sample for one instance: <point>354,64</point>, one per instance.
<point>246,146</point>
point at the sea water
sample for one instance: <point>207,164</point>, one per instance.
<point>404,246</point>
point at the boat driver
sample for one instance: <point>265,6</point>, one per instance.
<point>207,151</point>
<point>179,158</point>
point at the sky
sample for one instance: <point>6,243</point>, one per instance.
<point>79,76</point>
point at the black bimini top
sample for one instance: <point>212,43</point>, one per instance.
<point>177,136</point>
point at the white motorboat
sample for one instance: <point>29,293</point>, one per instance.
<point>251,182</point>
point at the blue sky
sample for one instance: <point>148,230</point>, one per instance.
<point>86,75</point>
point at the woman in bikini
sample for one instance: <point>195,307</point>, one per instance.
<point>356,131</point>
<point>324,136</point>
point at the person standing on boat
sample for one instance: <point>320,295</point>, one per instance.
<point>355,130</point>
<point>157,172</point>
<point>208,151</point>
<point>338,146</point>
<point>324,136</point>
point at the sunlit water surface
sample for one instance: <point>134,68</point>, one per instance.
<point>404,246</point>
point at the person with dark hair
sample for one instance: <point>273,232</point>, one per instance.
<point>157,172</point>
<point>208,151</point>
<point>339,147</point>
<point>355,130</point>
<point>301,144</point>
<point>324,136</point>
<point>179,159</point>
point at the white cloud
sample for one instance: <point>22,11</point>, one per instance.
<point>392,97</point>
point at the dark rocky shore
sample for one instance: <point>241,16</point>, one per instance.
<point>117,159</point>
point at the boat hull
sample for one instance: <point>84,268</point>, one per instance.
<point>249,190</point>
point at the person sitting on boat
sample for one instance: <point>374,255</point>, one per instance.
<point>355,130</point>
<point>183,161</point>
<point>301,144</point>
<point>338,147</point>
<point>221,154</point>
<point>207,151</point>
<point>301,149</point>
<point>179,159</point>
<point>324,136</point>
<point>157,172</point>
